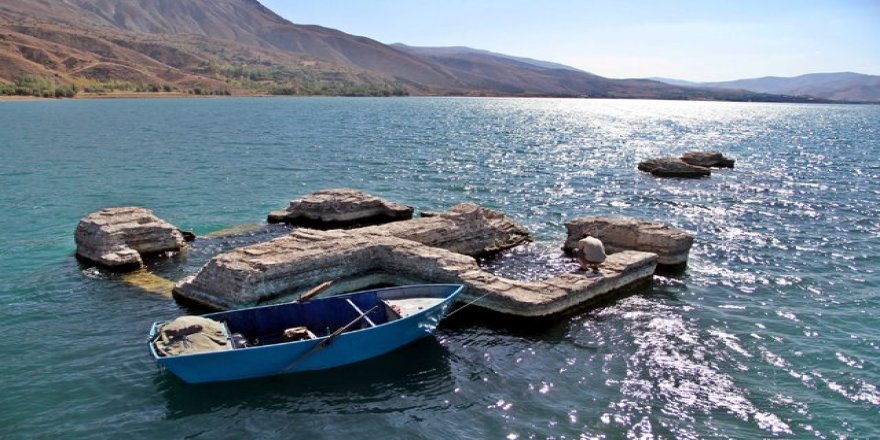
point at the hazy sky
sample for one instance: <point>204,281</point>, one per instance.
<point>699,40</point>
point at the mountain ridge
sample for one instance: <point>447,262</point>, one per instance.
<point>839,86</point>
<point>459,50</point>
<point>242,47</point>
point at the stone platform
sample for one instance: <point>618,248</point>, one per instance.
<point>434,249</point>
<point>671,245</point>
<point>290,265</point>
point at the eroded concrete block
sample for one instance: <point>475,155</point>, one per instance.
<point>118,238</point>
<point>340,208</point>
<point>466,228</point>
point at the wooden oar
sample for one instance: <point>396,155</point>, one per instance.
<point>315,291</point>
<point>328,340</point>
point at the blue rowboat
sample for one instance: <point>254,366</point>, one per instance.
<point>299,336</point>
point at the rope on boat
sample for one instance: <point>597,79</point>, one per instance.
<point>469,303</point>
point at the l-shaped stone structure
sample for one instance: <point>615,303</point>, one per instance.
<point>289,265</point>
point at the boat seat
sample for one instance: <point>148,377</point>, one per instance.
<point>361,312</point>
<point>236,340</point>
<point>392,310</point>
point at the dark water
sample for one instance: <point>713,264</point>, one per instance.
<point>771,332</point>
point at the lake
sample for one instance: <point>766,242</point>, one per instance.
<point>772,331</point>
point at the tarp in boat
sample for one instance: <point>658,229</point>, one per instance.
<point>191,334</point>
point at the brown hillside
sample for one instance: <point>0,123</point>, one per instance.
<point>159,43</point>
<point>239,45</point>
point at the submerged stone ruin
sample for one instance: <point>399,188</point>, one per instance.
<point>340,208</point>
<point>465,231</point>
<point>671,245</point>
<point>119,238</point>
<point>289,265</point>
<point>466,228</point>
<point>709,159</point>
<point>437,247</point>
<point>673,167</point>
<point>693,164</point>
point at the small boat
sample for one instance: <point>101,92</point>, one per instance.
<point>299,336</point>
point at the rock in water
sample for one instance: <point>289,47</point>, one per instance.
<point>340,208</point>
<point>623,233</point>
<point>117,238</point>
<point>466,228</point>
<point>707,159</point>
<point>673,167</point>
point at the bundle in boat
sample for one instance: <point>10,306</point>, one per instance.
<point>190,335</point>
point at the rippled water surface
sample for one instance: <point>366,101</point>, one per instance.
<point>772,331</point>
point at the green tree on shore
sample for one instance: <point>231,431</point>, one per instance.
<point>39,86</point>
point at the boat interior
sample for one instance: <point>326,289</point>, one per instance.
<point>280,323</point>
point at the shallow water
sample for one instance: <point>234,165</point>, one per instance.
<point>771,331</point>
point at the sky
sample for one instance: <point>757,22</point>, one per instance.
<point>696,40</point>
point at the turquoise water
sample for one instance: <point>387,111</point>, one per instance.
<point>771,332</point>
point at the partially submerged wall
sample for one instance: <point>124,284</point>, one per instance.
<point>291,264</point>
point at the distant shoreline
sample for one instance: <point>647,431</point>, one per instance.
<point>180,95</point>
<point>126,95</point>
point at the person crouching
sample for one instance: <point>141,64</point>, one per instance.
<point>590,253</point>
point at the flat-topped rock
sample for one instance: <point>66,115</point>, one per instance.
<point>289,265</point>
<point>466,228</point>
<point>672,245</point>
<point>339,208</point>
<point>714,159</point>
<point>118,238</point>
<point>620,273</point>
<point>673,167</point>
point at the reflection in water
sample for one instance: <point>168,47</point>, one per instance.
<point>679,370</point>
<point>419,369</point>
